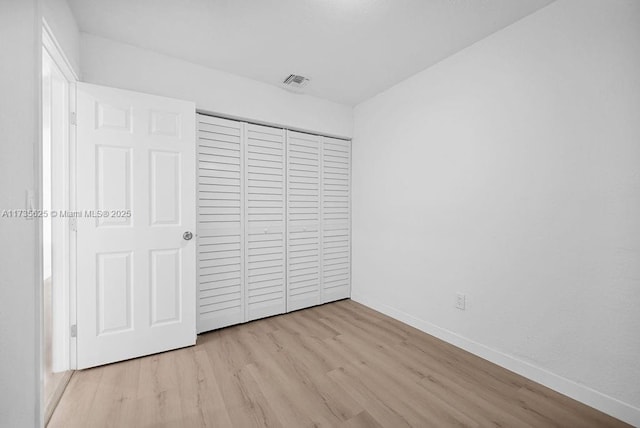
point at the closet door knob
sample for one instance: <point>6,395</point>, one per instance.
<point>187,236</point>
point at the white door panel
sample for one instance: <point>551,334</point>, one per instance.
<point>336,219</point>
<point>304,247</point>
<point>265,221</point>
<point>136,273</point>
<point>221,244</point>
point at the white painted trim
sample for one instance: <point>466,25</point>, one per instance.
<point>52,46</point>
<point>38,268</point>
<point>66,248</point>
<point>39,265</point>
<point>72,234</point>
<point>582,393</point>
<point>271,124</point>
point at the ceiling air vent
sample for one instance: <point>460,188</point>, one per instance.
<point>295,82</point>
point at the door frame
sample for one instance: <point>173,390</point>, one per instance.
<point>66,248</point>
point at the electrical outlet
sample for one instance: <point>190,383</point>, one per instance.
<point>461,301</point>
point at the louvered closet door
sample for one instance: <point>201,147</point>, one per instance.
<point>303,224</point>
<point>265,221</point>
<point>220,223</point>
<point>336,219</point>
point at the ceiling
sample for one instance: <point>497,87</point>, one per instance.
<point>351,49</point>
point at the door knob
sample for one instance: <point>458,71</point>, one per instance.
<point>187,236</point>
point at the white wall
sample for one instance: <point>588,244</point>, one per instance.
<point>110,63</point>
<point>511,172</point>
<point>19,114</point>
<point>60,19</point>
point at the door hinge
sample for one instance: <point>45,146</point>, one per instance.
<point>72,118</point>
<point>74,330</point>
<point>73,224</point>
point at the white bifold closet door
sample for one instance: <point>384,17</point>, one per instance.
<point>319,219</point>
<point>221,285</point>
<point>336,219</point>
<point>304,250</point>
<point>274,221</point>
<point>265,221</point>
<point>241,222</point>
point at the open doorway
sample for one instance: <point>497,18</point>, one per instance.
<point>58,82</point>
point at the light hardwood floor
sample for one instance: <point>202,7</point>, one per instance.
<point>336,365</point>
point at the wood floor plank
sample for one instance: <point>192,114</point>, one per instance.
<point>200,398</point>
<point>301,365</point>
<point>386,414</point>
<point>428,408</point>
<point>361,420</point>
<point>76,403</point>
<point>336,365</point>
<point>279,372</point>
<point>246,405</point>
<point>118,384</point>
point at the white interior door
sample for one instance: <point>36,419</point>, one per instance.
<point>304,230</point>
<point>136,284</point>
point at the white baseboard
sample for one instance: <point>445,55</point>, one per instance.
<point>606,404</point>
